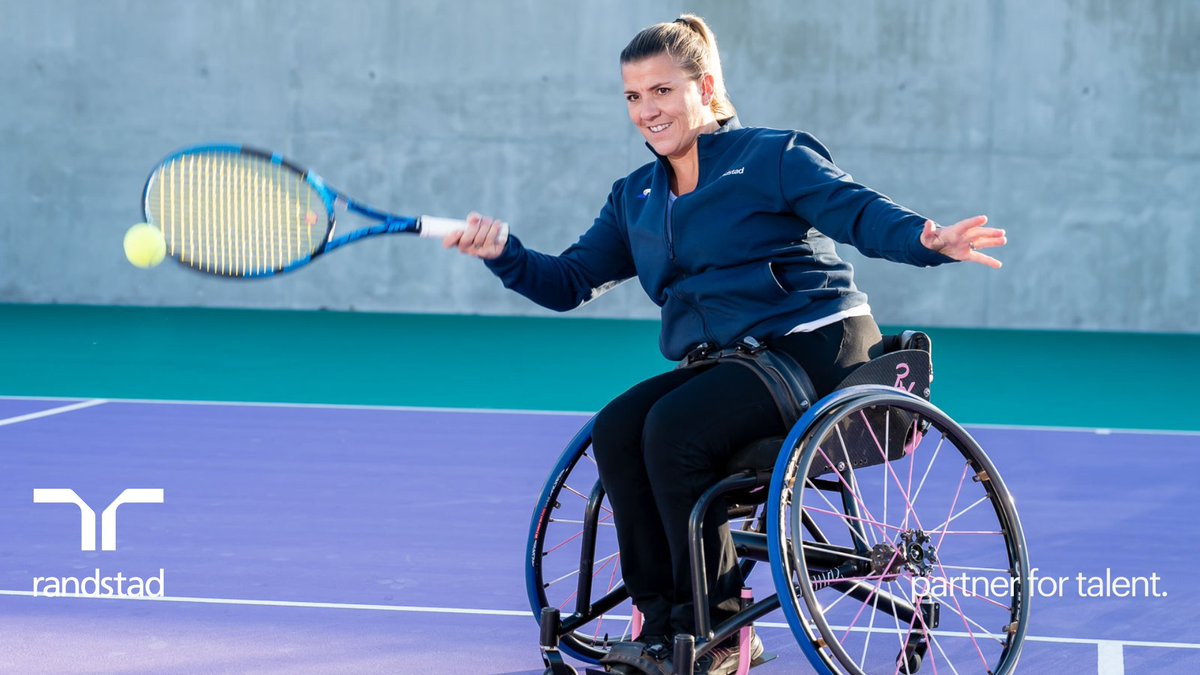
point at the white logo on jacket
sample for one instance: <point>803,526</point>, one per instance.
<point>734,172</point>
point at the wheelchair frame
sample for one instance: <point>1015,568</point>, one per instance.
<point>846,568</point>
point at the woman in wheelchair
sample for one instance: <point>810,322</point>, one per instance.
<point>731,231</point>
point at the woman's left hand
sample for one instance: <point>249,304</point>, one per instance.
<point>964,240</point>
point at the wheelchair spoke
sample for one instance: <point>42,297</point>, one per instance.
<point>957,609</point>
<point>891,471</point>
<point>822,549</point>
<point>602,523</point>
<point>862,662</point>
<point>925,632</point>
<point>584,497</point>
<point>997,570</point>
<point>968,593</point>
<point>960,513</point>
<point>595,574</point>
<point>575,572</point>
<point>838,514</point>
<point>858,500</point>
<point>577,535</point>
<point>928,468</point>
<point>612,579</point>
<point>907,639</point>
<point>957,494</point>
<point>833,512</point>
<point>872,594</point>
<point>933,638</point>
<point>983,632</point>
<point>853,478</point>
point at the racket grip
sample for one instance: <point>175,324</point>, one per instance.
<point>435,227</point>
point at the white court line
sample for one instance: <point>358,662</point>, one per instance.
<point>1102,644</point>
<point>53,411</point>
<point>1100,431</point>
<point>1112,659</point>
<point>315,406</point>
<point>278,603</point>
<point>571,413</point>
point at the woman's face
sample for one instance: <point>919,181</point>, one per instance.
<point>666,105</point>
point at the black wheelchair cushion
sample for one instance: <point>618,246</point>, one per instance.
<point>758,456</point>
<point>906,364</point>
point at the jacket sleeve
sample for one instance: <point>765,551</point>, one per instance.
<point>828,198</point>
<point>598,261</point>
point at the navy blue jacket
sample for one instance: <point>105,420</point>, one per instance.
<point>749,252</point>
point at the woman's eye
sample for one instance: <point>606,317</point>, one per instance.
<point>631,97</point>
<point>662,91</point>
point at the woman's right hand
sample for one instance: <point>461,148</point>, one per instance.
<point>484,237</point>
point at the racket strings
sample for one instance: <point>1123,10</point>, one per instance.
<point>236,214</point>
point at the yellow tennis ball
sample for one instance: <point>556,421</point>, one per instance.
<point>144,245</point>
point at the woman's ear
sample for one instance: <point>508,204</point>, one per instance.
<point>708,86</point>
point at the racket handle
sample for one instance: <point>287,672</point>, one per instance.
<point>433,226</point>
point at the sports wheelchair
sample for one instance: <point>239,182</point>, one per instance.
<point>891,539</point>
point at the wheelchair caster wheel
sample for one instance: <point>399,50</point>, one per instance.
<point>909,661</point>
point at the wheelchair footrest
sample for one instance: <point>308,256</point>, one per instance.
<point>765,657</point>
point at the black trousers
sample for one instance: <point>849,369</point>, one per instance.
<point>661,444</point>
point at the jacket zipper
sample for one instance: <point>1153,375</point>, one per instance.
<point>669,227</point>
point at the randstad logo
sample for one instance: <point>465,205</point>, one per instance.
<point>734,172</point>
<point>87,516</point>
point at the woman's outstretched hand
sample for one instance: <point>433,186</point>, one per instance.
<point>484,237</point>
<point>964,240</point>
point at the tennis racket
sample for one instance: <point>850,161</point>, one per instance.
<point>239,212</point>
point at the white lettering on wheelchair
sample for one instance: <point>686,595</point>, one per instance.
<point>902,371</point>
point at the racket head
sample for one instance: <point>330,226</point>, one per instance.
<point>237,211</point>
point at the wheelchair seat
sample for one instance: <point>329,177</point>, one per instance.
<point>906,362</point>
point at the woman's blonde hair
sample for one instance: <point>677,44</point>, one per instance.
<point>692,46</point>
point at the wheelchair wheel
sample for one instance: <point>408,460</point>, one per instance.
<point>558,555</point>
<point>894,542</point>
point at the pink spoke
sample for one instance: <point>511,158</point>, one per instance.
<point>912,460</point>
<point>595,574</point>
<point>907,638</point>
<point>892,472</point>
<point>966,624</point>
<point>839,514</point>
<point>928,633</point>
<point>612,580</point>
<point>842,640</point>
<point>572,538</point>
<point>870,627</point>
<point>950,516</point>
<point>928,468</point>
<point>874,591</point>
<point>854,478</point>
<point>857,499</point>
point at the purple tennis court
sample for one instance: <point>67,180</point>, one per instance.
<point>341,539</point>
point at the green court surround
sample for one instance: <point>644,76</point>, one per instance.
<point>1014,377</point>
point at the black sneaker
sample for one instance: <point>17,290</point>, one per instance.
<point>723,659</point>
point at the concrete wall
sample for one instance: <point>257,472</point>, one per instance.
<point>1072,123</point>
